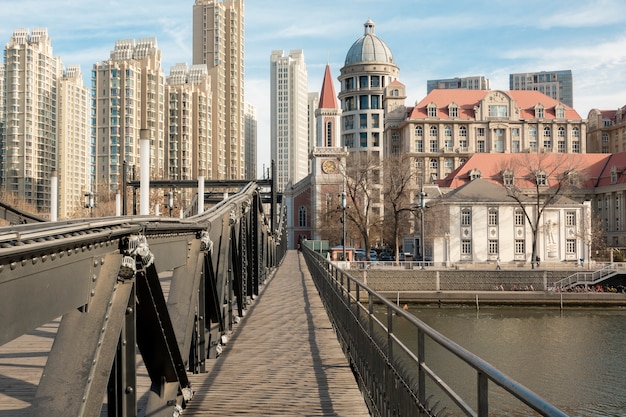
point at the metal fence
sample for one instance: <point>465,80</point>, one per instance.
<point>397,377</point>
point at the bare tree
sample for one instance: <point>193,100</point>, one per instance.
<point>536,181</point>
<point>399,186</point>
<point>363,192</point>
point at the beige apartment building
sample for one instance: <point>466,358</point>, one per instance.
<point>128,97</point>
<point>606,130</point>
<point>189,128</point>
<point>218,43</point>
<point>446,127</point>
<point>74,151</point>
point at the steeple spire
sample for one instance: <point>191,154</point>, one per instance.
<point>328,98</point>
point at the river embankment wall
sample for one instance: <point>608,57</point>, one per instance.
<point>528,287</point>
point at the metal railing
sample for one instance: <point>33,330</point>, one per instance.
<point>397,377</point>
<point>590,277</point>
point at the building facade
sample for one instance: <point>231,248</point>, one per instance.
<point>289,117</point>
<point>448,126</point>
<point>606,130</point>
<point>31,104</point>
<point>74,150</point>
<point>127,98</point>
<point>556,84</point>
<point>218,43</point>
<point>251,123</point>
<point>368,69</point>
<point>188,110</point>
<point>466,83</point>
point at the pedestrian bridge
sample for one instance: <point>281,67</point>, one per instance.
<point>211,316</point>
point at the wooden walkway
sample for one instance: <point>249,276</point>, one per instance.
<point>283,359</point>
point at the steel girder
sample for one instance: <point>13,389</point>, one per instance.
<point>108,277</point>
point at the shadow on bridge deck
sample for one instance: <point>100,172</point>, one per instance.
<point>283,358</point>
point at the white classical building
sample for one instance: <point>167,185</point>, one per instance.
<point>479,222</point>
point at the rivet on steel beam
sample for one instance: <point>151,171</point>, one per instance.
<point>95,262</point>
<point>129,390</point>
<point>34,260</point>
<point>44,258</point>
<point>93,292</point>
<point>13,265</point>
<point>129,310</point>
<point>94,277</point>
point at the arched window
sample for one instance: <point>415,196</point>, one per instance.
<point>532,131</point>
<point>434,163</point>
<point>448,130</point>
<point>419,130</point>
<point>547,132</point>
<point>302,217</point>
<point>433,131</point>
<point>561,132</point>
<point>463,131</point>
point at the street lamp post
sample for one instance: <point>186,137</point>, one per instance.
<point>422,245</point>
<point>343,224</point>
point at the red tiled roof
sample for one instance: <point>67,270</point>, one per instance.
<point>491,165</point>
<point>467,100</point>
<point>328,98</point>
<point>617,160</point>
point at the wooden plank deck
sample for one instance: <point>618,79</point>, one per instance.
<point>283,359</point>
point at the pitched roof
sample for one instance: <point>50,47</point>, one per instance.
<point>468,100</point>
<point>478,190</point>
<point>328,98</point>
<point>491,165</point>
<point>617,162</point>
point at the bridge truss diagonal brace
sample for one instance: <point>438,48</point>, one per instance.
<point>170,388</point>
<point>77,371</point>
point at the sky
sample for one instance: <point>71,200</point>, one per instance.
<point>428,39</point>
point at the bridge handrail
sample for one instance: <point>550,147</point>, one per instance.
<point>589,277</point>
<point>343,294</point>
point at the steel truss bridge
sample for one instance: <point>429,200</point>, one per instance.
<point>102,276</point>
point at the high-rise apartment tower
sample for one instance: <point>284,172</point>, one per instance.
<point>289,116</point>
<point>556,84</point>
<point>218,42</point>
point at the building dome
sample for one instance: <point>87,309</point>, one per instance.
<point>369,48</point>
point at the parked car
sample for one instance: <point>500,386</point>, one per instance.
<point>385,256</point>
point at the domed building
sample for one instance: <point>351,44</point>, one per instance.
<point>366,76</point>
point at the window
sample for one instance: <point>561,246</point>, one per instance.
<point>520,247</point>
<point>434,145</point>
<point>492,217</point>
<point>419,146</point>
<point>434,163</point>
<point>454,112</point>
<point>532,131</point>
<point>363,102</point>
<point>570,218</point>
<point>466,247</point>
<point>466,217</point>
<point>480,131</point>
<point>560,113</point>
<point>363,81</point>
<point>475,174</point>
<point>493,247</point>
<point>432,111</point>
<point>480,146</point>
<point>433,131</point>
<point>520,217</point>
<point>570,246</point>
<point>541,178</point>
<point>463,131</point>
<point>515,132</point>
<point>561,147</point>
<point>561,132</point>
<point>507,178</point>
<point>375,121</point>
<point>363,121</point>
<point>449,164</point>
<point>498,110</point>
<point>539,113</point>
<point>447,130</point>
<point>547,132</point>
<point>375,102</point>
<point>419,131</point>
<point>576,132</point>
<point>302,217</point>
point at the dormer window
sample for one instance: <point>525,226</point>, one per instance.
<point>474,174</point>
<point>539,112</point>
<point>432,110</point>
<point>508,178</point>
<point>560,112</point>
<point>453,110</point>
<point>541,178</point>
<point>613,174</point>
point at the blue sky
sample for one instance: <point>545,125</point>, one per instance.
<point>428,39</point>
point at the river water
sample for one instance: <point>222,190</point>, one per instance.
<point>574,359</point>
